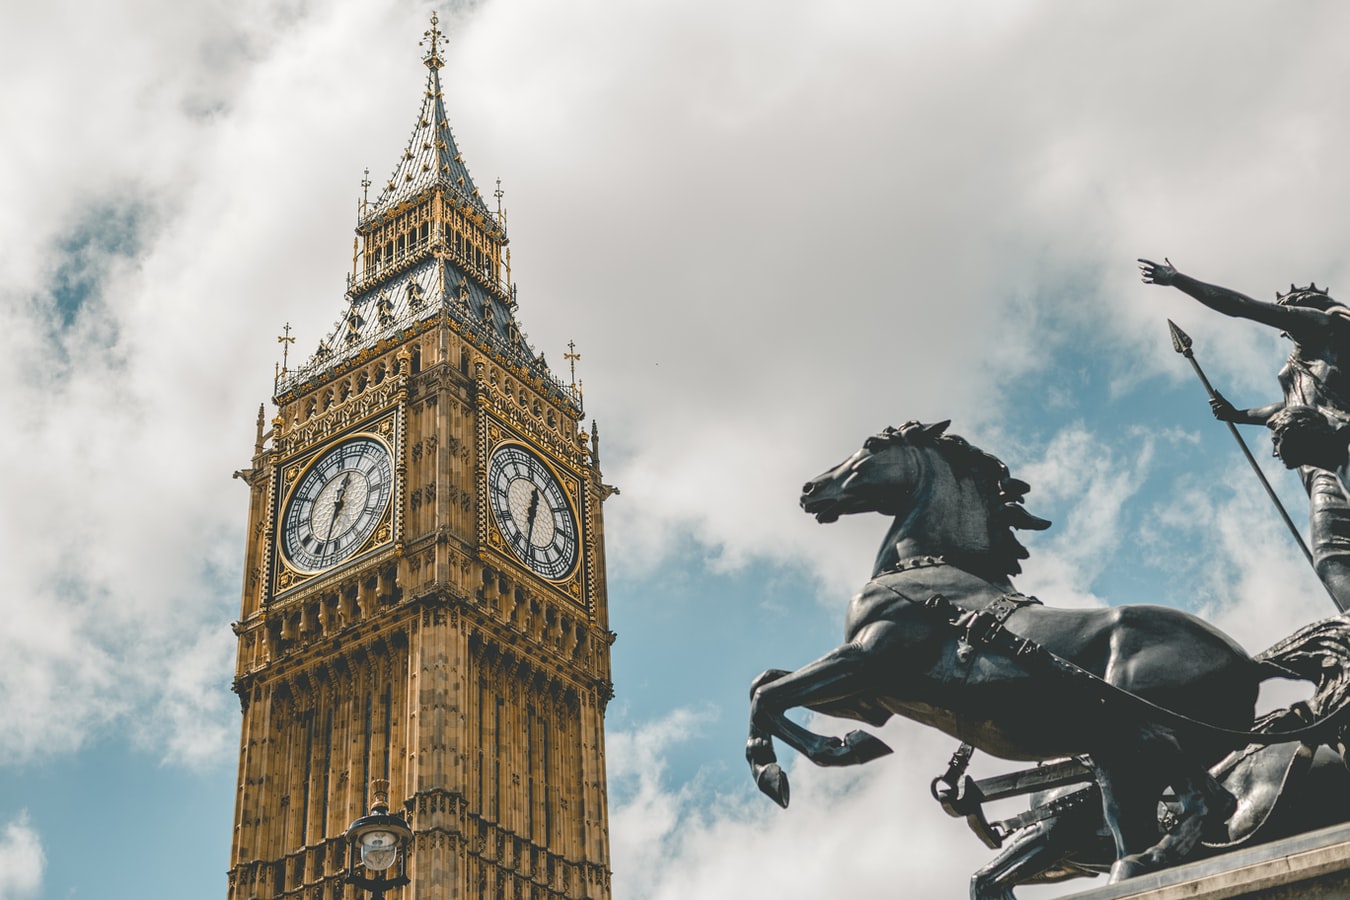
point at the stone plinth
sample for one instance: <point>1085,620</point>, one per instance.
<point>1312,865</point>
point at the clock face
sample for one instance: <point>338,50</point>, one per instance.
<point>337,505</point>
<point>532,512</point>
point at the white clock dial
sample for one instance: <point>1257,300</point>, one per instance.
<point>337,504</point>
<point>532,512</point>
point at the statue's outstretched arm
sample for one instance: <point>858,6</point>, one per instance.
<point>1307,326</point>
<point>1220,299</point>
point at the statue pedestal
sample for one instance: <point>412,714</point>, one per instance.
<point>1312,865</point>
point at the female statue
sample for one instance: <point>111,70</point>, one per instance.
<point>1317,375</point>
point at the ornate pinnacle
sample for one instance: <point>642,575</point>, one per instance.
<point>431,39</point>
<point>572,358</point>
<point>285,340</point>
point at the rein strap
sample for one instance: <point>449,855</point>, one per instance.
<point>985,629</point>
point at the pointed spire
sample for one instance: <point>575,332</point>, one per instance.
<point>428,241</point>
<point>431,156</point>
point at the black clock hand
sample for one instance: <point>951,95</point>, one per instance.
<point>530,516</point>
<point>337,505</point>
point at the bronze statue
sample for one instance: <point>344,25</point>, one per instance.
<point>1151,696</point>
<point>1282,790</point>
<point>1302,437</point>
<point>1316,375</point>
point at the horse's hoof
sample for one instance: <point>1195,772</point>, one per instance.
<point>774,782</point>
<point>854,748</point>
<point>864,747</point>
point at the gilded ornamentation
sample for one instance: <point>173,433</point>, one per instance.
<point>530,426</point>
<point>339,417</point>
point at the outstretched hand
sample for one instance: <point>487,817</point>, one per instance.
<point>1163,273</point>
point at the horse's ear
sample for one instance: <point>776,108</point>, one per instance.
<point>936,428</point>
<point>1018,517</point>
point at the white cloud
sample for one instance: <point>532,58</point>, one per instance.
<point>1259,588</point>
<point>851,230</point>
<point>22,861</point>
<point>121,351</point>
<point>848,832</point>
<point>1091,479</point>
<point>772,228</point>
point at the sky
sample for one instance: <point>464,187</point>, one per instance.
<point>771,227</point>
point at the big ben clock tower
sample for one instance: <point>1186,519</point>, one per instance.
<point>424,591</point>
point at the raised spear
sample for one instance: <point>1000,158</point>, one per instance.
<point>1181,342</point>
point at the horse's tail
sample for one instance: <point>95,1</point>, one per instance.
<point>1319,653</point>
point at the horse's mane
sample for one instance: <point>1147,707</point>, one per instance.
<point>1001,492</point>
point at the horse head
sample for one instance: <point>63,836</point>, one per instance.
<point>880,477</point>
<point>948,498</point>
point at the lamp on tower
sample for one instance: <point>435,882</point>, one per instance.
<point>381,840</point>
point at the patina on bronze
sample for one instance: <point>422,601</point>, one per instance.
<point>1316,375</point>
<point>1151,697</point>
<point>1282,789</point>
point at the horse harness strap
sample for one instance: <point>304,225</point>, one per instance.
<point>985,628</point>
<point>1089,797</point>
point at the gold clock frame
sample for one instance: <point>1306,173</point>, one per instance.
<point>383,429</point>
<point>495,435</point>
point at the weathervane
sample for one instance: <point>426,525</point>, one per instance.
<point>365,189</point>
<point>499,194</point>
<point>572,356</point>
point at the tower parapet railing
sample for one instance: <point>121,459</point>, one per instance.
<point>476,330</point>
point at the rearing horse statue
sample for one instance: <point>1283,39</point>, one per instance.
<point>940,636</point>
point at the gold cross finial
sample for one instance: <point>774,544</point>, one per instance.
<point>365,189</point>
<point>431,39</point>
<point>499,194</point>
<point>285,340</point>
<point>572,356</point>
